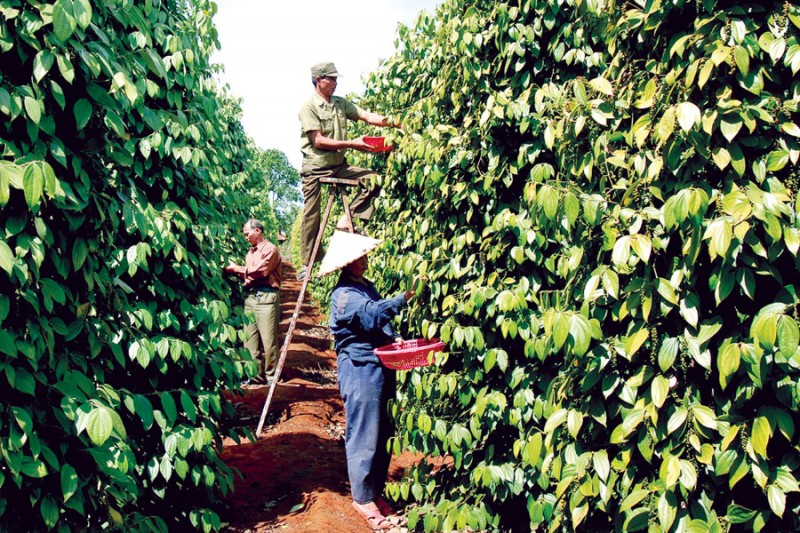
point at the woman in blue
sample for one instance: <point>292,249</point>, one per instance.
<point>360,322</point>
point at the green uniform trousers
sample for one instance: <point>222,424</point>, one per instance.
<point>261,335</point>
<point>360,206</point>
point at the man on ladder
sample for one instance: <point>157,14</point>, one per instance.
<point>323,141</point>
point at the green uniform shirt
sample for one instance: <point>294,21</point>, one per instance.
<point>330,119</point>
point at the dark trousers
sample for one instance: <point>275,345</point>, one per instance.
<point>360,205</point>
<point>366,389</point>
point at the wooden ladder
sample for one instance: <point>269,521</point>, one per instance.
<point>335,184</point>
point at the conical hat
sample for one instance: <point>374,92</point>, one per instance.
<point>344,248</point>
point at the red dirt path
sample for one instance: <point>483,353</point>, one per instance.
<point>294,477</point>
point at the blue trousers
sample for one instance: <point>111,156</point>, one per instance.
<point>366,389</point>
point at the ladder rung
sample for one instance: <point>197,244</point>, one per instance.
<point>339,181</point>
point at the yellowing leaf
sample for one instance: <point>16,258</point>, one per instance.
<point>688,115</point>
<point>659,390</point>
<point>760,435</point>
<point>791,128</point>
<point>6,257</point>
<point>602,85</point>
<point>705,416</point>
<point>730,125</point>
<point>666,125</point>
<point>670,470</point>
<point>777,500</point>
<point>721,157</point>
<point>728,363</point>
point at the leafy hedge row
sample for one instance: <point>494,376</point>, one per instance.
<point>124,180</point>
<point>604,197</point>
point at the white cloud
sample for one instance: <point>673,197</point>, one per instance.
<point>268,49</point>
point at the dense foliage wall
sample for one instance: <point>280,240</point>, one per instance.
<point>604,197</point>
<point>125,178</point>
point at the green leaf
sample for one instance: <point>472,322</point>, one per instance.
<point>79,253</point>
<point>49,511</point>
<point>5,189</point>
<point>601,464</point>
<point>533,449</point>
<point>82,10</point>
<point>33,184</point>
<point>69,481</point>
<point>144,409</point>
<point>581,332</point>
<point>667,510</point>
<point>637,520</point>
<point>33,468</point>
<point>66,69</point>
<point>777,160</point>
<point>64,23</point>
<point>742,58</point>
<point>168,403</point>
<point>667,353</point>
<point>83,112</point>
<point>99,425</point>
<point>561,326</point>
<point>633,498</point>
<point>33,108</point>
<point>737,158</point>
<point>788,336</point>
<point>188,406</point>
<point>6,257</point>
<point>113,121</point>
<point>42,64</point>
<point>739,515</point>
<point>720,233</point>
<point>165,467</point>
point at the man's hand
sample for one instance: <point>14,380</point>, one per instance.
<point>231,268</point>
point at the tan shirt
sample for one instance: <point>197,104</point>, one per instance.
<point>330,119</point>
<point>262,266</point>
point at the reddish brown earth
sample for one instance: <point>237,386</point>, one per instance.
<point>294,477</point>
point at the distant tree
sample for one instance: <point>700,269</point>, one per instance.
<point>281,180</point>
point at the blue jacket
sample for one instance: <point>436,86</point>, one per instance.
<point>360,319</point>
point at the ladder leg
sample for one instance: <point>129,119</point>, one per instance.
<point>293,323</point>
<point>347,215</point>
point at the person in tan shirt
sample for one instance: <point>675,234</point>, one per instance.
<point>323,141</point>
<point>261,276</point>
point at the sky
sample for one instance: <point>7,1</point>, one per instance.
<point>267,49</point>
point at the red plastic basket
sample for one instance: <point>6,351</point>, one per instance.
<point>408,354</point>
<point>379,143</point>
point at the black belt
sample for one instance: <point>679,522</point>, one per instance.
<point>253,290</point>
